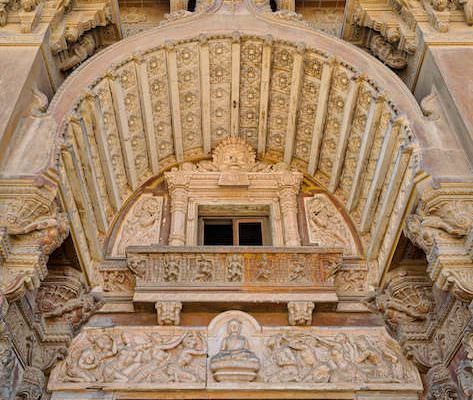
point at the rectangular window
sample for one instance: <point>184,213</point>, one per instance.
<point>218,232</point>
<point>234,231</point>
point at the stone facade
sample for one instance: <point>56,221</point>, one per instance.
<point>167,118</point>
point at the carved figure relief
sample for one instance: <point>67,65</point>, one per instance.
<point>64,298</point>
<point>134,355</point>
<point>117,280</point>
<point>141,225</point>
<point>234,269</point>
<point>171,269</point>
<point>235,362</point>
<point>326,225</point>
<point>263,272</point>
<point>305,357</point>
<point>239,351</point>
<point>351,279</point>
<point>300,312</point>
<point>205,271</point>
<point>297,272</point>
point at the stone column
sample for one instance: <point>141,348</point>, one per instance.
<point>289,188</point>
<point>179,200</point>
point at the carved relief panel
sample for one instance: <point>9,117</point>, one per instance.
<point>326,226</point>
<point>141,225</point>
<point>241,267</point>
<point>236,353</point>
<point>138,357</point>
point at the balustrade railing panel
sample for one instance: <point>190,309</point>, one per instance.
<point>240,268</point>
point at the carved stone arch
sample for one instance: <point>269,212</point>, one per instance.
<point>336,169</point>
<point>167,97</point>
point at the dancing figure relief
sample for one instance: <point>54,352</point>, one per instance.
<point>301,357</point>
<point>152,358</point>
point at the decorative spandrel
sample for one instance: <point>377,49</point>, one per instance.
<point>326,226</point>
<point>141,225</point>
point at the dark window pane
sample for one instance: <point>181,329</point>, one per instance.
<point>250,234</point>
<point>191,5</point>
<point>218,234</point>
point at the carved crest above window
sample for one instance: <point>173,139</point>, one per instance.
<point>233,165</point>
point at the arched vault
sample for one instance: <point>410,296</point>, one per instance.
<point>172,94</point>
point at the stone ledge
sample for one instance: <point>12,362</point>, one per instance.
<point>232,297</point>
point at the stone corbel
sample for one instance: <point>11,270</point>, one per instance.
<point>459,281</point>
<point>63,299</point>
<point>442,228</point>
<point>28,13</point>
<point>406,300</point>
<point>300,312</point>
<point>75,36</point>
<point>168,312</point>
<point>424,354</point>
<point>382,32</point>
<point>33,227</point>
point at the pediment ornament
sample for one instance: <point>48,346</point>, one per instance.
<point>234,155</point>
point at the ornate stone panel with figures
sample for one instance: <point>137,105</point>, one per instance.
<point>235,352</point>
<point>326,226</point>
<point>165,273</point>
<point>141,225</point>
<point>134,357</point>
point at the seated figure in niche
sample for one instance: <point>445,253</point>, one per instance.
<point>235,361</point>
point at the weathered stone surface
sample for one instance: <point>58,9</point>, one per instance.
<point>367,198</point>
<point>241,355</point>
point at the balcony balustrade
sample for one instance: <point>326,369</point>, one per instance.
<point>246,274</point>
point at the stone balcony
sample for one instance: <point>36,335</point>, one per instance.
<point>234,274</point>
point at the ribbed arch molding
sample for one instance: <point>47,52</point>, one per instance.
<point>293,103</point>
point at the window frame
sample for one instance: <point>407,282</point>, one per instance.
<point>235,221</point>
